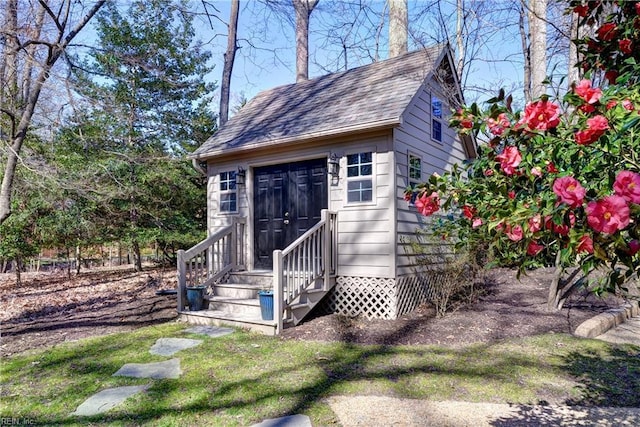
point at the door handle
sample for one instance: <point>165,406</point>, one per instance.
<point>286,218</point>
<point>286,221</point>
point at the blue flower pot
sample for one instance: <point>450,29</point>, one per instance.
<point>266,304</point>
<point>195,298</point>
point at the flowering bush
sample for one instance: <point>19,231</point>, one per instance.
<point>560,182</point>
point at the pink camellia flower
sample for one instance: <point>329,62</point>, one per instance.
<point>427,205</point>
<point>488,172</point>
<point>541,115</point>
<point>596,127</point>
<point>634,247</point>
<point>534,248</point>
<point>627,186</point>
<point>569,191</point>
<point>628,105</point>
<point>598,123</point>
<point>626,46</point>
<point>512,194</point>
<point>536,171</point>
<point>498,125</point>
<point>608,215</point>
<point>466,119</point>
<point>611,76</point>
<point>607,32</point>
<point>585,244</point>
<point>514,233</point>
<point>561,229</point>
<point>477,222</point>
<point>587,108</point>
<point>535,223</point>
<point>611,104</point>
<point>468,211</point>
<point>509,159</point>
<point>589,94</point>
<point>582,10</point>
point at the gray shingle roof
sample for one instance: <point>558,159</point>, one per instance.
<point>332,104</point>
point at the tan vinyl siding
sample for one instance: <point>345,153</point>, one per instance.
<point>366,230</point>
<point>413,136</point>
<point>366,238</point>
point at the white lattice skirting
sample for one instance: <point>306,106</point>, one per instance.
<point>376,298</point>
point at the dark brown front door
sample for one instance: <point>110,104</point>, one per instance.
<point>287,202</point>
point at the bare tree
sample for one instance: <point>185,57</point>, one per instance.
<point>398,27</point>
<point>229,58</point>
<point>34,36</point>
<point>303,9</point>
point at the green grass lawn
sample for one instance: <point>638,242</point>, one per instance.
<point>243,378</point>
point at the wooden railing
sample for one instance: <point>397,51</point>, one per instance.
<point>310,258</point>
<point>211,259</point>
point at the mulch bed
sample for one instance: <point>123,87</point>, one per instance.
<point>505,308</point>
<point>50,308</point>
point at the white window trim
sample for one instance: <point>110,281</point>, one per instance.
<point>224,192</point>
<point>360,178</point>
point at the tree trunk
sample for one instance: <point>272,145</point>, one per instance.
<point>68,263</point>
<point>554,286</point>
<point>229,58</point>
<point>460,37</point>
<point>303,9</point>
<point>137,257</point>
<point>526,53</point>
<point>17,107</point>
<point>574,70</point>
<point>18,271</point>
<point>398,27</point>
<point>538,46</point>
<point>78,259</point>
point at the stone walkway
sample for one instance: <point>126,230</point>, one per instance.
<point>382,410</point>
<point>109,398</point>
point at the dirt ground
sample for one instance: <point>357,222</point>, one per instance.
<point>49,308</point>
<point>505,307</point>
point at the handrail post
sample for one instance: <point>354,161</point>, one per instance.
<point>234,244</point>
<point>182,279</point>
<point>278,289</point>
<point>326,252</point>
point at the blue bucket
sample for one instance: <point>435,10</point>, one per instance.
<point>266,304</point>
<point>195,297</point>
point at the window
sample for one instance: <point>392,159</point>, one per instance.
<point>228,193</point>
<point>436,116</point>
<point>360,177</point>
<point>436,130</point>
<point>415,173</point>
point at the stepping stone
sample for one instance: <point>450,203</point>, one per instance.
<point>158,370</point>
<point>212,331</point>
<point>107,399</point>
<point>289,421</point>
<point>170,346</point>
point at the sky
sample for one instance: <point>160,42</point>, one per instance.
<point>266,58</point>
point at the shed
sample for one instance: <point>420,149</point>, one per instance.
<point>306,191</point>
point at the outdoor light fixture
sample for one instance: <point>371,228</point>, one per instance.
<point>334,165</point>
<point>240,176</point>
